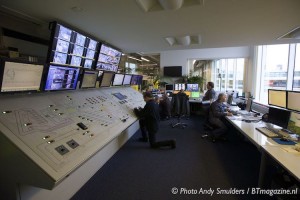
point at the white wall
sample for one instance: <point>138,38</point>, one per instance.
<point>181,57</point>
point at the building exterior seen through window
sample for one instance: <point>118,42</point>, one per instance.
<point>279,68</point>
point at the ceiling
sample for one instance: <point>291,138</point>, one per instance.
<point>125,25</point>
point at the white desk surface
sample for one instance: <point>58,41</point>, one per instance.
<point>248,129</point>
<point>285,155</point>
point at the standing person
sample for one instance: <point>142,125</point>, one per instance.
<point>217,113</point>
<point>149,123</point>
<point>210,93</point>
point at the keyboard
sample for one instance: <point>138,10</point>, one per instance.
<point>268,132</point>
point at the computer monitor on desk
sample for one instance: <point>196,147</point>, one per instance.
<point>279,117</point>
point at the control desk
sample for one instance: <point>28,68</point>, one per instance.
<point>54,133</point>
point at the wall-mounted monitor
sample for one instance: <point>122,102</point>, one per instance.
<point>294,123</point>
<point>279,117</point>
<point>179,86</point>
<point>118,79</point>
<point>173,71</point>
<point>127,79</point>
<point>106,79</point>
<point>71,48</point>
<point>17,76</point>
<point>293,100</point>
<point>169,87</point>
<point>277,98</point>
<point>108,58</point>
<point>89,79</point>
<point>61,78</point>
<point>193,87</point>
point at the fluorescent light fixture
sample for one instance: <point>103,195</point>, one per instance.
<point>134,58</point>
<point>145,59</point>
<point>148,65</point>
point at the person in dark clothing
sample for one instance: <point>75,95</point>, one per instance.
<point>165,107</point>
<point>217,112</point>
<point>149,123</point>
<point>210,93</point>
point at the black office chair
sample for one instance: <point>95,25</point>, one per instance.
<point>180,107</point>
<point>207,126</point>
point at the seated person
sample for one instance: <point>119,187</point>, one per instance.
<point>217,113</point>
<point>210,94</point>
<point>149,123</point>
<point>165,107</point>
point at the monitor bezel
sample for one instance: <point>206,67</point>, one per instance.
<point>2,63</point>
<point>284,110</point>
<point>113,80</point>
<point>287,100</point>
<point>82,77</point>
<point>99,53</point>
<point>106,72</point>
<point>277,105</point>
<point>66,66</point>
<point>124,79</point>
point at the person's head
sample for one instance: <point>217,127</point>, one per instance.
<point>210,85</point>
<point>222,97</point>
<point>147,96</point>
<point>181,91</point>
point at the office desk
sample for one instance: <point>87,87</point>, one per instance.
<point>248,130</point>
<point>270,150</point>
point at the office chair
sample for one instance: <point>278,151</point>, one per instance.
<point>180,105</point>
<point>208,127</point>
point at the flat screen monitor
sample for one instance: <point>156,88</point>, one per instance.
<point>294,123</point>
<point>109,58</point>
<point>92,44</point>
<point>293,100</point>
<point>69,47</point>
<point>195,94</point>
<point>63,32</point>
<point>279,117</point>
<point>179,86</point>
<point>60,58</point>
<point>78,50</point>
<point>136,80</point>
<point>106,79</point>
<point>88,63</point>
<point>169,87</point>
<point>80,39</point>
<point>18,76</point>
<point>75,61</point>
<point>127,79</point>
<point>173,71</point>
<point>118,79</point>
<point>61,78</point>
<point>277,98</point>
<point>193,87</point>
<point>89,79</point>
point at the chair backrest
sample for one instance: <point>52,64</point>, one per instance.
<point>180,104</point>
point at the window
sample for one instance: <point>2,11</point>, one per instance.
<point>296,79</point>
<point>132,67</point>
<point>228,74</point>
<point>279,68</point>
